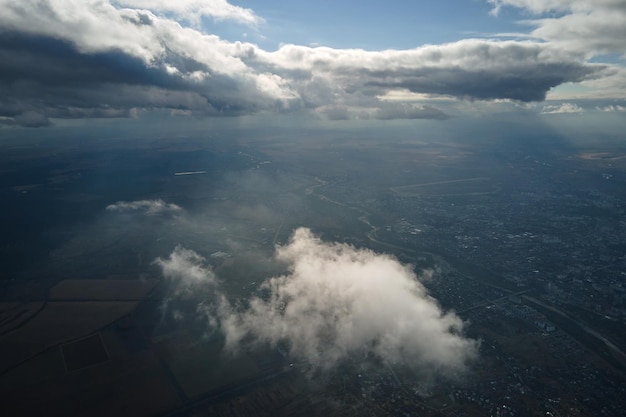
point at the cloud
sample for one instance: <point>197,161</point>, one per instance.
<point>31,118</point>
<point>337,112</point>
<point>193,10</point>
<point>189,279</point>
<point>612,108</point>
<point>611,84</point>
<point>151,207</point>
<point>390,111</point>
<point>590,26</point>
<point>113,58</point>
<point>184,269</point>
<point>105,60</point>
<point>562,108</point>
<point>337,302</point>
<point>468,69</point>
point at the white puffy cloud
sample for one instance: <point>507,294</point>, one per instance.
<point>152,207</point>
<point>561,108</point>
<point>90,25</point>
<point>193,10</point>
<point>336,302</point>
<point>185,270</point>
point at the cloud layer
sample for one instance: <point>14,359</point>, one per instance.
<point>116,58</point>
<point>337,302</point>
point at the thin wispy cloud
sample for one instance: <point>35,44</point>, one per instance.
<point>562,108</point>
<point>151,207</point>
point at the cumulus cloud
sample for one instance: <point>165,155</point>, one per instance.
<point>193,10</point>
<point>470,69</point>
<point>109,58</point>
<point>152,207</point>
<point>186,271</point>
<point>562,108</point>
<point>336,302</point>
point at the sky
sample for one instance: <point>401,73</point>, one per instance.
<point>75,61</point>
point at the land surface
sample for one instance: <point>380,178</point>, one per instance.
<point>527,243</point>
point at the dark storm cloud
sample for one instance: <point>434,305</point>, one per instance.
<point>52,78</point>
<point>47,60</point>
<point>526,84</point>
<point>96,58</point>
